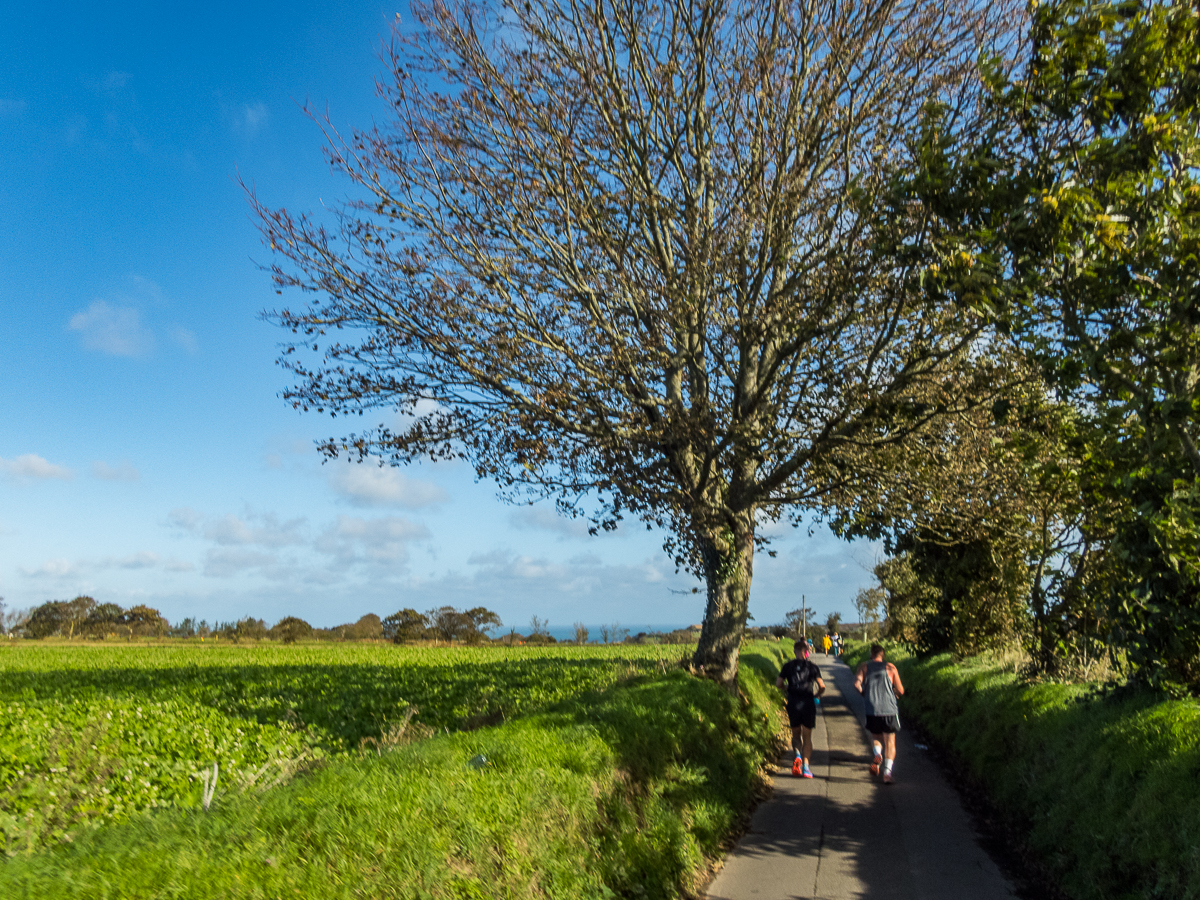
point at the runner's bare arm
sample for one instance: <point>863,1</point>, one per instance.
<point>820,687</point>
<point>896,685</point>
<point>780,683</point>
<point>858,677</point>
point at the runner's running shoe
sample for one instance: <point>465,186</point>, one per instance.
<point>887,778</point>
<point>806,771</point>
<point>876,763</point>
<point>797,766</point>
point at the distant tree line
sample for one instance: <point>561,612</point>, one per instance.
<point>83,618</point>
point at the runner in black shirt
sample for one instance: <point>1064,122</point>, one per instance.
<point>803,681</point>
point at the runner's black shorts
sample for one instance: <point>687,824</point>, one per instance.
<point>883,724</point>
<point>802,712</point>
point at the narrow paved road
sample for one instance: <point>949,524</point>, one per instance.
<point>843,834</point>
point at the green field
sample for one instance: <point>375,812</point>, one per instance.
<point>609,771</point>
<point>94,733</point>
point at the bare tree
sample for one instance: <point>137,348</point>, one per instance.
<point>623,253</point>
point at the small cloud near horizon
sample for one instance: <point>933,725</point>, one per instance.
<point>52,568</point>
<point>224,562</point>
<point>31,467</point>
<point>59,569</point>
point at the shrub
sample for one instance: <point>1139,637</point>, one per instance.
<point>291,629</point>
<point>1107,788</point>
<point>405,625</point>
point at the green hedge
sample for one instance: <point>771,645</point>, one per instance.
<point>1108,789</point>
<point>632,790</point>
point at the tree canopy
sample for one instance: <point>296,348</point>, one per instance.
<point>1073,219</point>
<point>627,255</point>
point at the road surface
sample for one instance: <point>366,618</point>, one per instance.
<point>843,834</point>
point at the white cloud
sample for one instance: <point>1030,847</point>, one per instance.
<point>542,518</point>
<point>185,517</point>
<point>583,575</point>
<point>265,530</point>
<point>61,568</point>
<point>368,485</point>
<point>261,529</point>
<point>224,562</point>
<point>30,466</point>
<point>53,568</point>
<point>123,471</point>
<point>178,565</point>
<point>116,330</point>
<point>143,560</point>
<point>286,552</point>
<point>377,540</point>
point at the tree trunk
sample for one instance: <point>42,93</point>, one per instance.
<point>728,567</point>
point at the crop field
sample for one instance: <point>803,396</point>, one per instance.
<point>92,733</point>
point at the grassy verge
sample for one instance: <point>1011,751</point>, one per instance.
<point>91,734</point>
<point>630,791</point>
<point>1107,790</point>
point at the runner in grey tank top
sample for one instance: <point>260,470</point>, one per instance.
<point>878,690</point>
<point>879,683</point>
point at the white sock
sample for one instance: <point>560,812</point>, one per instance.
<point>887,766</point>
<point>878,749</point>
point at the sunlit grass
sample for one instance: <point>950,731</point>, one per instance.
<point>632,788</point>
<point>93,733</point>
<point>1107,788</point>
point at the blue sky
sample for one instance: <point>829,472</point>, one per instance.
<point>145,453</point>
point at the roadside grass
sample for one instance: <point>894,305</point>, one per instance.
<point>629,791</point>
<point>91,734</point>
<point>1106,788</point>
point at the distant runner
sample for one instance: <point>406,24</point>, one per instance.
<point>803,681</point>
<point>827,642</point>
<point>879,683</point>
